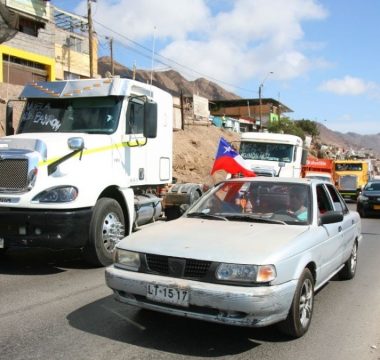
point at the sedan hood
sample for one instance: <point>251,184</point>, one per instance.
<point>214,240</point>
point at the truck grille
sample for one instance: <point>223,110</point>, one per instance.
<point>348,182</point>
<point>13,174</point>
<point>187,268</point>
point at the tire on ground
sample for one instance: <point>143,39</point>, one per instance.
<point>299,318</point>
<point>349,270</point>
<point>107,228</point>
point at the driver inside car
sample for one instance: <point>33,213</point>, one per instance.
<point>297,204</point>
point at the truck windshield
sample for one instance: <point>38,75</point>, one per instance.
<point>266,151</point>
<point>97,115</point>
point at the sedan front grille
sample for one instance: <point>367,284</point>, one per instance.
<point>158,264</point>
<point>13,174</point>
<point>177,267</point>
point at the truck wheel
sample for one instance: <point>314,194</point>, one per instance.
<point>107,228</point>
<point>349,270</point>
<point>172,212</point>
<point>301,310</point>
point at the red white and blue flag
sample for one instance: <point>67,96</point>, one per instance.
<point>229,160</point>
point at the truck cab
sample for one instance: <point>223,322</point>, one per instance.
<point>269,154</point>
<point>350,176</point>
<point>85,164</point>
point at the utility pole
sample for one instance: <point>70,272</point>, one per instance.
<point>111,51</point>
<point>90,31</point>
<point>111,55</point>
<point>260,103</point>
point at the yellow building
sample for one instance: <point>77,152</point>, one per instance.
<point>41,42</point>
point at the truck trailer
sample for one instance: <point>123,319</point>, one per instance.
<point>318,169</point>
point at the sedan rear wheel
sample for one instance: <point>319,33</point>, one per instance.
<point>349,270</point>
<point>298,321</point>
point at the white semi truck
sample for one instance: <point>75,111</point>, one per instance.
<point>270,154</point>
<point>87,165</point>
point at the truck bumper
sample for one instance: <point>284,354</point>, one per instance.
<point>51,229</point>
<point>349,194</point>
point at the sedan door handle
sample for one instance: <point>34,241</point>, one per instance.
<point>339,229</point>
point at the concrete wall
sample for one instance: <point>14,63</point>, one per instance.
<point>8,91</point>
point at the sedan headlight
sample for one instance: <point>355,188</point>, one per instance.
<point>127,259</point>
<point>61,194</point>
<point>362,198</point>
<point>246,273</point>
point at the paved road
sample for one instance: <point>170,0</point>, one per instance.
<point>54,307</point>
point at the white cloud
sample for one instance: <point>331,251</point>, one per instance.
<point>242,40</point>
<point>348,85</point>
<point>137,19</point>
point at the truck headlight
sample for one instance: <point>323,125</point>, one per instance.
<point>127,259</point>
<point>60,194</point>
<point>246,273</point>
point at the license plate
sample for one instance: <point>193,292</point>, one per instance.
<point>168,295</point>
<point>376,207</point>
<point>1,243</point>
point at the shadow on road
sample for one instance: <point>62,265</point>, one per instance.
<point>40,261</point>
<point>176,335</point>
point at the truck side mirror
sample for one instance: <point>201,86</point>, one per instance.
<point>305,153</point>
<point>76,143</point>
<point>150,119</point>
<point>9,130</point>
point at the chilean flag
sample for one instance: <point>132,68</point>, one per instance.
<point>229,160</point>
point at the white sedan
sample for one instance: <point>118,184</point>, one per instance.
<point>250,252</point>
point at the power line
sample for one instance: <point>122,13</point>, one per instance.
<point>170,60</point>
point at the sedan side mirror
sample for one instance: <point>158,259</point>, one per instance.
<point>331,217</point>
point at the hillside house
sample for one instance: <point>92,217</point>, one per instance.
<point>253,116</point>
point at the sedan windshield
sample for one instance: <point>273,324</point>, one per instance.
<point>280,203</point>
<point>96,115</point>
<point>372,187</point>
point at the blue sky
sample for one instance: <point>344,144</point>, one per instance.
<point>324,55</point>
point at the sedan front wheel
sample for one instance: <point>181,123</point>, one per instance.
<point>298,321</point>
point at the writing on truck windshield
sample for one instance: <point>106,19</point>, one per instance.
<point>266,151</point>
<point>348,167</point>
<point>97,115</point>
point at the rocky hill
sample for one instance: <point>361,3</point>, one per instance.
<point>170,80</point>
<point>194,150</point>
<point>349,140</point>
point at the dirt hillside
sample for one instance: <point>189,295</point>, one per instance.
<point>194,151</point>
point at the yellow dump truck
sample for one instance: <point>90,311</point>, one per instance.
<point>350,176</point>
